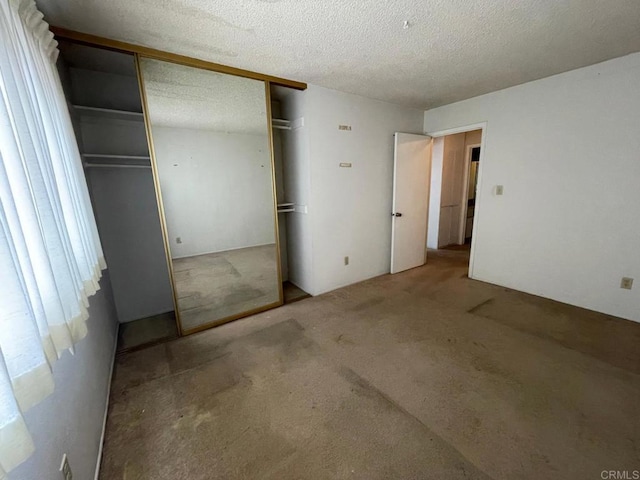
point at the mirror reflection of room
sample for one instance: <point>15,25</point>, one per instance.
<point>211,145</point>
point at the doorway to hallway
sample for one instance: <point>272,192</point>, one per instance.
<point>435,201</point>
<point>454,187</point>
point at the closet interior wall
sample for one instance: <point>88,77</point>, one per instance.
<point>292,189</point>
<point>104,101</point>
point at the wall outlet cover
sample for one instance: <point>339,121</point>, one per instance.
<point>626,283</point>
<point>346,260</point>
<point>499,189</point>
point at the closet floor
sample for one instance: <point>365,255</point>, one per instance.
<point>292,293</point>
<point>147,330</point>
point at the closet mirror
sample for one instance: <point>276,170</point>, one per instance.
<point>212,157</point>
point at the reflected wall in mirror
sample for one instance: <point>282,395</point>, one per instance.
<point>210,136</point>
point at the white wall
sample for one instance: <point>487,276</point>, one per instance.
<point>567,150</point>
<point>70,420</point>
<point>350,208</point>
<point>216,189</point>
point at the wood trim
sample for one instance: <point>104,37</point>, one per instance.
<point>94,40</point>
<point>272,158</point>
<point>163,223</point>
<point>231,318</point>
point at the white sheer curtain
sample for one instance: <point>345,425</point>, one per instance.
<point>50,254</point>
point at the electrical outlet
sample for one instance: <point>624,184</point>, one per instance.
<point>344,127</point>
<point>178,239</point>
<point>65,468</point>
<point>499,189</point>
<point>346,260</point>
<point>626,283</point>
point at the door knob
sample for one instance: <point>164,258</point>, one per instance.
<point>396,214</point>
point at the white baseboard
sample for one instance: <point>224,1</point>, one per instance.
<point>106,406</point>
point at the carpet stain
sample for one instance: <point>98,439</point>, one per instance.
<point>372,302</point>
<point>480,305</point>
<point>343,340</point>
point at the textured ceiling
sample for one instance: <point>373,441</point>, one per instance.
<point>452,50</point>
<point>187,97</point>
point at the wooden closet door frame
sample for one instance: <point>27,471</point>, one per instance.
<point>163,221</point>
<point>132,48</point>
<point>138,52</point>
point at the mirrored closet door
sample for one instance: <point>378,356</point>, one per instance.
<point>210,138</point>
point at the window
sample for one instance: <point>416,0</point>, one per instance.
<point>50,254</point>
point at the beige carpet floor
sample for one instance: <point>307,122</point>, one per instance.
<point>420,375</point>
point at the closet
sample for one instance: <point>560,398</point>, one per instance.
<point>106,111</point>
<point>292,188</point>
<point>190,183</point>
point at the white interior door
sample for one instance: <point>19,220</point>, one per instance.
<point>411,172</point>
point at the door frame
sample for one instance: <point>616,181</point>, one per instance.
<point>483,143</point>
<point>464,207</point>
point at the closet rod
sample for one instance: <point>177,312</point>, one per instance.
<point>280,127</point>
<point>114,165</point>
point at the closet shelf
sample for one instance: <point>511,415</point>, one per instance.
<point>280,124</point>
<point>118,157</point>
<point>286,207</point>
<point>114,165</point>
<point>108,113</point>
<point>107,160</point>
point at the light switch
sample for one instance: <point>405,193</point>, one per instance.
<point>499,189</point>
